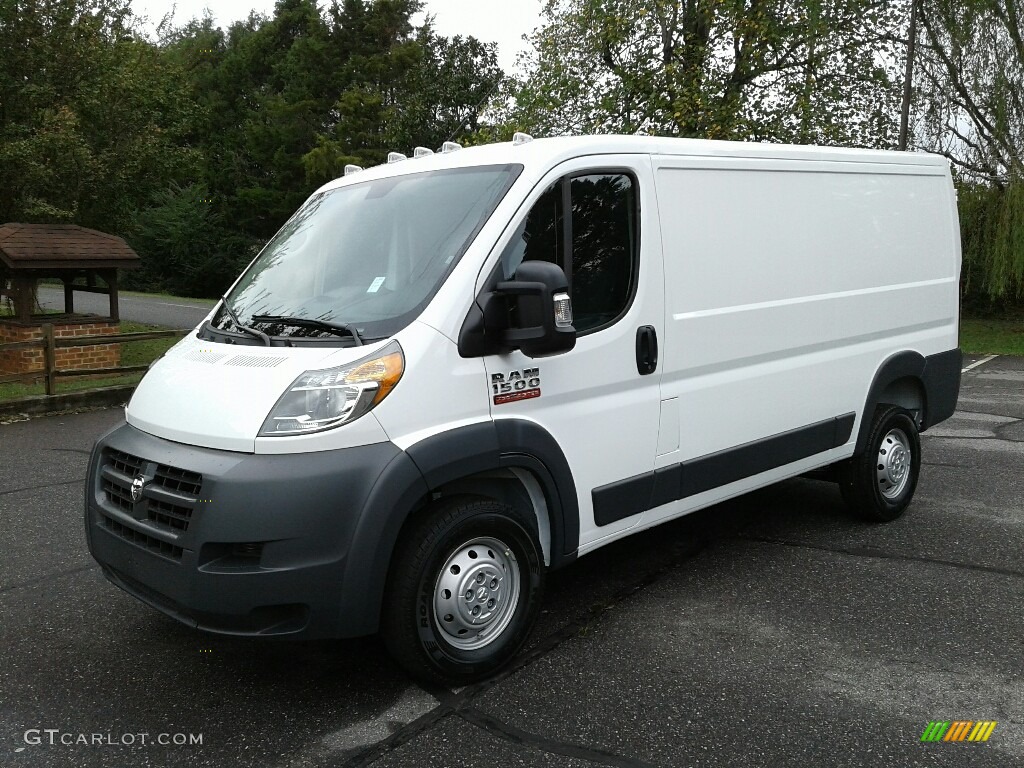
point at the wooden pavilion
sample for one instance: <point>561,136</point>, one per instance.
<point>83,260</point>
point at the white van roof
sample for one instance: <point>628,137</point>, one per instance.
<point>546,153</point>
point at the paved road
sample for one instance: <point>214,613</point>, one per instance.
<point>768,631</point>
<point>153,310</point>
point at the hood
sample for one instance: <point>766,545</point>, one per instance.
<point>219,395</point>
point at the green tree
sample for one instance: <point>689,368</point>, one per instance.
<point>811,71</point>
<point>401,86</point>
<point>970,99</point>
<point>181,240</point>
<point>971,85</point>
<point>91,117</point>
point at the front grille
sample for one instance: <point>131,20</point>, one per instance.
<point>143,540</point>
<point>169,497</point>
<point>118,496</point>
<point>125,463</point>
<point>178,480</point>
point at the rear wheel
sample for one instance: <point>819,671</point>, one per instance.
<point>463,592</point>
<point>879,484</point>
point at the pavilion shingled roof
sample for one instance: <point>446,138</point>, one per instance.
<point>61,246</point>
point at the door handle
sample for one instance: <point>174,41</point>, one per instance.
<point>646,350</point>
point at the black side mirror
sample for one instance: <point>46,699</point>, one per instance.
<point>542,320</point>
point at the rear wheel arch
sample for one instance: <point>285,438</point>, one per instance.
<point>898,381</point>
<point>908,393</point>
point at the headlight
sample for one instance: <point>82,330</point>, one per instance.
<point>320,400</point>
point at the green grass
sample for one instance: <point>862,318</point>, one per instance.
<point>6,311</point>
<point>992,337</point>
<point>132,353</point>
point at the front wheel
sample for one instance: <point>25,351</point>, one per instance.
<point>879,484</point>
<point>463,591</point>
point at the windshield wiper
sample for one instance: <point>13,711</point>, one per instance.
<point>234,319</point>
<point>338,329</point>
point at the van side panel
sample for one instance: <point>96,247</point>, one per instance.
<point>788,284</point>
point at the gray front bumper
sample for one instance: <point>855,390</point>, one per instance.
<point>230,542</point>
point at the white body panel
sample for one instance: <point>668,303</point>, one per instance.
<point>790,283</point>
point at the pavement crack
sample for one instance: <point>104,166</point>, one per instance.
<point>403,735</point>
<point>881,554</point>
<point>70,450</point>
<point>41,487</point>
<point>520,737</point>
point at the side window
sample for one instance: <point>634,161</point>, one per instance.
<point>603,248</point>
<point>601,259</point>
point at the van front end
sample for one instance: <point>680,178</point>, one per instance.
<point>237,543</point>
<point>253,490</point>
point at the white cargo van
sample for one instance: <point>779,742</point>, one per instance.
<point>448,374</point>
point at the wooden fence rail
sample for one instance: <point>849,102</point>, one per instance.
<point>50,344</point>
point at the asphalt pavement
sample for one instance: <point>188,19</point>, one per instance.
<point>167,311</point>
<point>769,631</point>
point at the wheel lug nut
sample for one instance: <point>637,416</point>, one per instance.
<point>494,583</point>
<point>476,610</point>
<point>479,578</point>
<point>490,603</point>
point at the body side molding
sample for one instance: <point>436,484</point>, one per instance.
<point>634,495</point>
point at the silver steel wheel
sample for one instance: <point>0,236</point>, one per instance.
<point>476,593</point>
<point>893,466</point>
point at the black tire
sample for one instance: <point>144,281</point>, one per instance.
<point>879,484</point>
<point>452,545</point>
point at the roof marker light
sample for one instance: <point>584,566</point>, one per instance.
<point>396,157</point>
<point>422,152</point>
<point>450,146</point>
<point>519,138</point>
<point>350,169</point>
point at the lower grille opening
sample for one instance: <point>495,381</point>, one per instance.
<point>170,515</point>
<point>143,540</point>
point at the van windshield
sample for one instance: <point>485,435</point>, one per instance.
<point>369,256</point>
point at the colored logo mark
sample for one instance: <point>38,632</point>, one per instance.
<point>958,730</point>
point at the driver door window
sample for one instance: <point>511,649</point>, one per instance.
<point>596,246</point>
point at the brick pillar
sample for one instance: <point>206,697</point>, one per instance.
<point>93,356</point>
<point>20,360</point>
<point>69,358</point>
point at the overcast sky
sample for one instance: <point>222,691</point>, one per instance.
<point>500,21</point>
